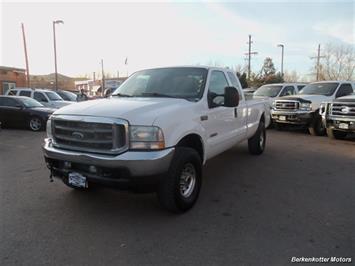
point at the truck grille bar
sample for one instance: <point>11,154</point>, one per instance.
<point>343,109</point>
<point>90,134</point>
<point>286,105</point>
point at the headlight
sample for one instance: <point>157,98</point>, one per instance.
<point>146,138</point>
<point>306,106</point>
<point>49,128</point>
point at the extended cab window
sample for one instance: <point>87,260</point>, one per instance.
<point>288,90</point>
<point>25,93</point>
<point>344,89</point>
<point>216,87</point>
<point>39,96</point>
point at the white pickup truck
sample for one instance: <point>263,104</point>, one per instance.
<point>158,128</point>
<point>303,109</point>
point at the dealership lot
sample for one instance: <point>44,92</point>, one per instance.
<point>297,199</point>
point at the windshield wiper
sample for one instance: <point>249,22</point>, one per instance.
<point>157,94</point>
<point>122,95</point>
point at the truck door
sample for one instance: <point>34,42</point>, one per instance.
<point>241,112</point>
<point>219,121</point>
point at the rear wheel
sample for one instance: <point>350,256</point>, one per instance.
<point>256,144</point>
<point>36,123</point>
<point>317,127</point>
<point>179,189</point>
<point>336,134</point>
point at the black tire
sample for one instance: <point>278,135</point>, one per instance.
<point>35,123</point>
<point>256,143</point>
<point>317,128</point>
<point>170,192</point>
<point>336,134</point>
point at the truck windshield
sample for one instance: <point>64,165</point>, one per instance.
<point>326,89</point>
<point>177,82</point>
<point>268,91</point>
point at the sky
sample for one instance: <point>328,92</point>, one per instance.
<point>170,33</point>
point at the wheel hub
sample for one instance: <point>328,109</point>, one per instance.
<point>187,180</point>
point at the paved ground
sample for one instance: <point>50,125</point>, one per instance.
<point>295,200</point>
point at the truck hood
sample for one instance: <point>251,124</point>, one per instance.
<point>349,98</point>
<point>315,100</point>
<point>138,111</point>
<point>60,104</point>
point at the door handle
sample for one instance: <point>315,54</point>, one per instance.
<point>235,112</point>
<point>204,117</point>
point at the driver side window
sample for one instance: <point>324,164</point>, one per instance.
<point>216,87</point>
<point>344,90</point>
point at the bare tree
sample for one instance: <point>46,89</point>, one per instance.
<point>337,63</point>
<point>291,76</point>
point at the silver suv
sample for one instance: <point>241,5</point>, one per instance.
<point>48,98</point>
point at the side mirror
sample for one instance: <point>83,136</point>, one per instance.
<point>231,97</point>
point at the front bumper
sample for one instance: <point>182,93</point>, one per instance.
<point>292,117</point>
<point>340,123</point>
<point>128,167</point>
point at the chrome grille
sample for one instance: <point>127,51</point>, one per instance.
<point>286,105</point>
<point>343,109</point>
<point>98,135</point>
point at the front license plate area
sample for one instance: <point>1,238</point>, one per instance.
<point>77,180</point>
<point>282,118</point>
<point>344,126</point>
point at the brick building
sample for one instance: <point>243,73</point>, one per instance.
<point>11,77</point>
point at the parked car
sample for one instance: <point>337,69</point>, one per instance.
<point>339,116</point>
<point>48,98</point>
<point>158,128</point>
<point>67,95</point>
<point>303,109</point>
<point>20,111</point>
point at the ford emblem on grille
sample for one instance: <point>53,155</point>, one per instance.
<point>345,109</point>
<point>77,135</point>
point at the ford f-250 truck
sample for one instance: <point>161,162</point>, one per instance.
<point>158,128</point>
<point>303,109</point>
<point>339,116</point>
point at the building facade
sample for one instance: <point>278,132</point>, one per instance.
<point>11,77</point>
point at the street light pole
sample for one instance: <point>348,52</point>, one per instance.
<point>282,58</point>
<point>55,52</point>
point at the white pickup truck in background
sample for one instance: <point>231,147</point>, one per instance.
<point>158,128</point>
<point>303,109</point>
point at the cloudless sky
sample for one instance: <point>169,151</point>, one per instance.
<point>170,33</point>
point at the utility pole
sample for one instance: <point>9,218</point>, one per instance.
<point>282,58</point>
<point>93,76</point>
<point>26,57</point>
<point>55,52</point>
<point>318,57</point>
<point>249,54</point>
<point>103,78</point>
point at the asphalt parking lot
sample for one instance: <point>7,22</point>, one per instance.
<point>297,199</point>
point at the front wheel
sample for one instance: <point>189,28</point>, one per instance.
<point>36,123</point>
<point>317,127</point>
<point>336,134</point>
<point>179,189</point>
<point>256,144</point>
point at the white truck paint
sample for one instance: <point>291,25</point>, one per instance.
<point>166,132</point>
